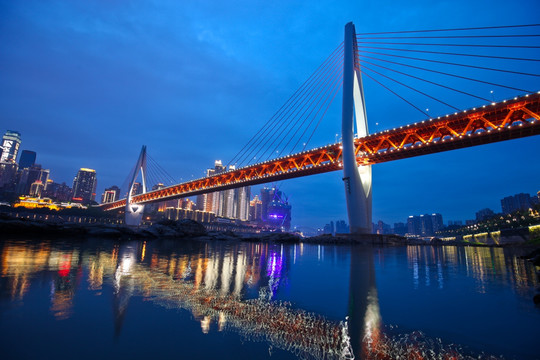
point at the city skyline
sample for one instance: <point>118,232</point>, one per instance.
<point>84,84</point>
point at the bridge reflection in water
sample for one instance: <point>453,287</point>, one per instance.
<point>232,287</point>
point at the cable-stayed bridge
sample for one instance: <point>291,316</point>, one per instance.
<point>294,124</point>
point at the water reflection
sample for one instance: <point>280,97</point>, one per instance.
<point>235,287</point>
<point>433,265</point>
<point>229,287</point>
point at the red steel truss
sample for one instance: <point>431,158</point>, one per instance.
<point>510,119</point>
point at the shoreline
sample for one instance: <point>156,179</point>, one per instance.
<point>169,229</point>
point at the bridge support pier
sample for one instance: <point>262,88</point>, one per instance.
<point>357,179</point>
<point>134,212</point>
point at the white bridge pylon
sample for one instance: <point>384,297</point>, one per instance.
<point>134,212</point>
<point>357,179</point>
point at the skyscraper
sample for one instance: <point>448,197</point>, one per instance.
<point>414,225</point>
<point>27,176</point>
<point>210,202</point>
<point>255,209</point>
<point>10,146</point>
<point>110,194</point>
<point>437,222</point>
<point>84,186</point>
<point>514,203</point>
<point>27,159</point>
<point>276,211</point>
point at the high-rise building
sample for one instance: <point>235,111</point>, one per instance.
<point>59,192</point>
<point>342,227</point>
<point>437,222</point>
<point>137,189</point>
<point>232,203</point>
<point>255,209</point>
<point>426,225</point>
<point>110,194</point>
<point>84,186</point>
<point>10,146</point>
<point>8,175</point>
<point>518,202</point>
<point>27,176</point>
<point>210,202</point>
<point>400,228</point>
<point>36,188</point>
<point>329,228</point>
<point>484,214</point>
<point>27,159</point>
<point>241,203</point>
<point>276,210</point>
<point>414,225</point>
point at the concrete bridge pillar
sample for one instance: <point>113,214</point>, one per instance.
<point>134,212</point>
<point>357,179</point>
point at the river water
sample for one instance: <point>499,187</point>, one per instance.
<point>102,299</point>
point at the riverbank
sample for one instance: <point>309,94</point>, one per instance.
<point>10,226</point>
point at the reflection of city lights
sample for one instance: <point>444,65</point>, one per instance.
<point>222,321</point>
<point>143,251</point>
<point>210,285</point>
<point>205,324</point>
<point>125,265</point>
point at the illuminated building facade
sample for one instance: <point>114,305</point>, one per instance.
<point>232,204</point>
<point>10,146</point>
<point>8,175</point>
<point>27,176</point>
<point>59,192</point>
<point>276,211</point>
<point>255,209</point>
<point>36,188</point>
<point>84,186</point>
<point>110,194</point>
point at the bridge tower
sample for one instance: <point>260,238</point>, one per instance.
<point>134,212</point>
<point>357,179</point>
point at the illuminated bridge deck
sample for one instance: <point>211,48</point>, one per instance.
<point>509,119</point>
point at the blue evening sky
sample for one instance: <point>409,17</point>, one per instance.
<point>87,83</point>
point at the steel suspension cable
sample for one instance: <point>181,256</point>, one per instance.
<point>451,29</point>
<point>451,63</point>
<point>410,87</point>
<point>448,74</point>
<point>336,90</point>
<point>448,37</point>
<point>336,81</point>
<point>308,91</point>
<point>396,94</point>
<point>164,172</point>
<point>428,81</point>
<point>450,53</point>
<point>462,45</point>
<point>295,112</point>
<point>320,94</point>
<point>276,116</point>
